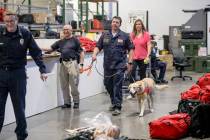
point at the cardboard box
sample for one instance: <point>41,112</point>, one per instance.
<point>168,58</point>
<point>40,17</point>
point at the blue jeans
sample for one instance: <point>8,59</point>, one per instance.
<point>13,82</point>
<point>113,85</point>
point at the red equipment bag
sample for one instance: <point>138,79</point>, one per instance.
<point>1,14</point>
<point>87,44</point>
<point>192,93</point>
<point>205,95</point>
<point>170,126</point>
<point>204,80</point>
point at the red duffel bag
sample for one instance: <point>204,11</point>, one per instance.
<point>192,93</point>
<point>205,95</point>
<point>204,80</point>
<point>170,126</point>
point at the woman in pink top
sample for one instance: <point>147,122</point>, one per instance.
<point>142,48</point>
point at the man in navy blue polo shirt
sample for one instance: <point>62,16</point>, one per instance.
<point>115,44</point>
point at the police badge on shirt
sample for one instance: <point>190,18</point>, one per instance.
<point>21,41</point>
<point>106,41</point>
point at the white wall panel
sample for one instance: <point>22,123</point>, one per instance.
<point>162,13</point>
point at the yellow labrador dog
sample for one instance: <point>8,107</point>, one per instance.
<point>144,90</point>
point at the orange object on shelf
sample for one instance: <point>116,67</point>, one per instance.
<point>97,24</point>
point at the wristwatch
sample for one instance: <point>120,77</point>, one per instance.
<point>130,63</point>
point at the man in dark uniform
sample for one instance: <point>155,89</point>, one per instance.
<point>14,43</point>
<point>115,44</point>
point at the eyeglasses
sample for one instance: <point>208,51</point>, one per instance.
<point>9,21</point>
<point>67,30</point>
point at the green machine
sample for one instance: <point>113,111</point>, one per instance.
<point>207,65</point>
<point>194,41</point>
<point>191,46</point>
<point>202,64</point>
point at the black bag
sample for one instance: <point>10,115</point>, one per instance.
<point>26,18</point>
<point>200,122</point>
<point>187,106</point>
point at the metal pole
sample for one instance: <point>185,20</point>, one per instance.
<point>102,8</point>
<point>110,10</point>
<point>81,14</point>
<point>117,8</point>
<point>97,8</point>
<point>86,24</point>
<point>64,7</point>
<point>29,6</point>
<point>5,4</point>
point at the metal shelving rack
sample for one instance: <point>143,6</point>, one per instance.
<point>27,9</point>
<point>80,2</point>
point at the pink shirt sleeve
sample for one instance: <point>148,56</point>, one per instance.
<point>147,37</point>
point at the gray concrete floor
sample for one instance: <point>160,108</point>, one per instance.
<point>51,124</point>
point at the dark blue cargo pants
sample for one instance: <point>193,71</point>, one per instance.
<point>113,82</point>
<point>13,82</point>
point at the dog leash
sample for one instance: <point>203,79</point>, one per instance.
<point>89,68</point>
<point>105,76</point>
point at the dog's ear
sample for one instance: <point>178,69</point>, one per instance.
<point>139,86</point>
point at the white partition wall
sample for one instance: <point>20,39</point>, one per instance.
<point>41,96</point>
<point>89,85</point>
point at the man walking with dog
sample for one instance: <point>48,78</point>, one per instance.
<point>115,44</point>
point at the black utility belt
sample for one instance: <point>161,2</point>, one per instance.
<point>66,59</point>
<point>9,68</point>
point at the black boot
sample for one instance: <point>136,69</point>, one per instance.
<point>76,105</point>
<point>66,105</point>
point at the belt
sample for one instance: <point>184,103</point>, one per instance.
<point>67,59</point>
<point>9,68</point>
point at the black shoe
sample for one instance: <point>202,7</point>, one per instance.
<point>66,106</point>
<point>116,112</point>
<point>111,108</point>
<point>157,81</point>
<point>76,105</point>
<point>164,82</point>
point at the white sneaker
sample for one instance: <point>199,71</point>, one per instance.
<point>129,97</point>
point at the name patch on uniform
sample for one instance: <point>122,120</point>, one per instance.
<point>106,40</point>
<point>21,41</point>
<point>1,43</point>
<point>120,41</point>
